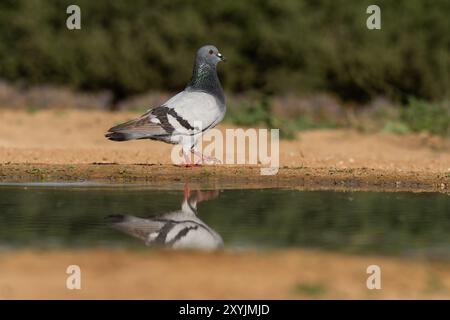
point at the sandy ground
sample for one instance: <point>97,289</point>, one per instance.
<point>70,145</point>
<point>295,274</point>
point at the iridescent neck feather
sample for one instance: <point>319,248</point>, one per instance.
<point>204,78</point>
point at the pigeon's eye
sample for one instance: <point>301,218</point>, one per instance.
<point>211,51</point>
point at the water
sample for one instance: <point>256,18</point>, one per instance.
<point>86,215</point>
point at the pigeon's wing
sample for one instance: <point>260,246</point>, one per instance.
<point>136,227</point>
<point>191,112</point>
<point>144,127</point>
<point>187,113</point>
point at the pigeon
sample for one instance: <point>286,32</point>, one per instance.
<point>187,115</point>
<point>180,229</point>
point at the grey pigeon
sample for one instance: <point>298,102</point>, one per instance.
<point>183,118</point>
<point>180,229</point>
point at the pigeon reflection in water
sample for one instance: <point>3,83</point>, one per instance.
<point>180,229</point>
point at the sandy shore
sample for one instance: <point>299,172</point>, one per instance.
<point>70,145</point>
<point>294,274</point>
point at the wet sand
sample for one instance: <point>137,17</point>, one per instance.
<point>141,274</point>
<point>67,145</point>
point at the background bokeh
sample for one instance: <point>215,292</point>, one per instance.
<point>275,48</point>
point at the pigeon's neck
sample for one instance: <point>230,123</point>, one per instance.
<point>204,78</point>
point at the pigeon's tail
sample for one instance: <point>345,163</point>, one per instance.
<point>118,136</point>
<point>141,128</point>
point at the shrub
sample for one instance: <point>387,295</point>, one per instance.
<point>274,47</point>
<point>420,115</point>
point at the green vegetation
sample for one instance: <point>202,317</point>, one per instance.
<point>315,290</point>
<point>423,116</point>
<point>259,113</point>
<point>275,47</point>
<point>252,113</point>
<point>415,116</point>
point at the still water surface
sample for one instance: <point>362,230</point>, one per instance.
<point>71,216</point>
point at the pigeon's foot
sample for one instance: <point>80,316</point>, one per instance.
<point>188,161</point>
<point>192,165</point>
<point>208,159</point>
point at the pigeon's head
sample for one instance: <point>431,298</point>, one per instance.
<point>210,55</point>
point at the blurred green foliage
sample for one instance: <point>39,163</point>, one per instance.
<point>252,112</point>
<point>259,112</point>
<point>310,289</point>
<point>415,116</point>
<point>420,115</point>
<point>272,46</point>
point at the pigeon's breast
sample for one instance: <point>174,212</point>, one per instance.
<point>194,112</point>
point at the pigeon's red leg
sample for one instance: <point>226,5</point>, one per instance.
<point>187,192</point>
<point>188,161</point>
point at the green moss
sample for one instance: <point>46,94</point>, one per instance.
<point>314,290</point>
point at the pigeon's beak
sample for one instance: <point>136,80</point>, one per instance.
<point>221,57</point>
